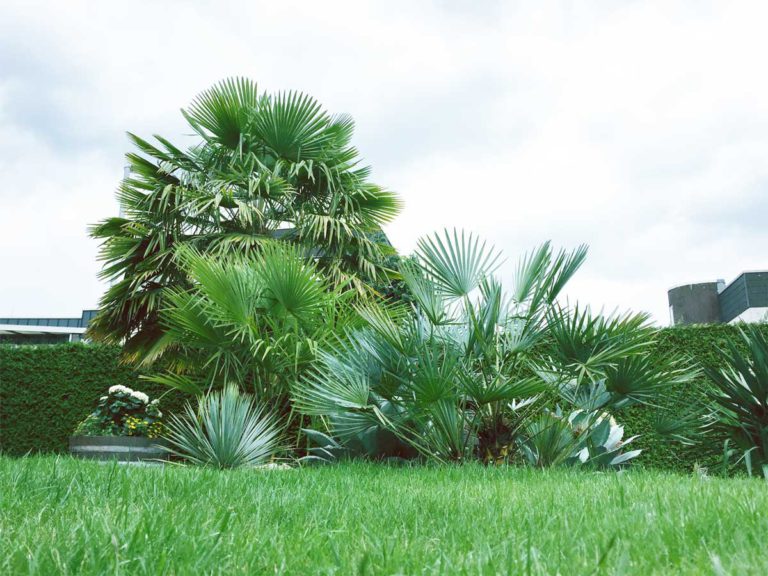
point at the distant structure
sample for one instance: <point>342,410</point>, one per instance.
<point>743,300</point>
<point>44,330</point>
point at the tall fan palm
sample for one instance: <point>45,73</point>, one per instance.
<point>263,167</point>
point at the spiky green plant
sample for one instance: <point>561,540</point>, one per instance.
<point>740,397</point>
<point>226,430</point>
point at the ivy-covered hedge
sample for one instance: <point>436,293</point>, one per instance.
<point>46,390</point>
<point>700,344</point>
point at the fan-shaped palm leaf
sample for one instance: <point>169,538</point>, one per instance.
<point>457,263</point>
<point>291,281</point>
<point>295,126</point>
<point>223,112</point>
<point>590,343</point>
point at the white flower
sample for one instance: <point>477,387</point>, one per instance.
<point>116,389</point>
<point>140,396</point>
<point>103,397</point>
<point>155,402</point>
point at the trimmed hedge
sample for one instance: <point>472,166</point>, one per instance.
<point>700,344</point>
<point>46,390</point>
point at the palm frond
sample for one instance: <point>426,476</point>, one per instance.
<point>457,263</point>
<point>590,343</point>
<point>295,126</point>
<point>222,113</point>
<point>290,281</point>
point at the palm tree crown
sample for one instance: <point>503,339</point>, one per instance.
<point>263,167</point>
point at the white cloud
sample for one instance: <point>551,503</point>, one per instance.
<point>636,127</point>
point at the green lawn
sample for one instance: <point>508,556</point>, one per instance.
<point>59,515</point>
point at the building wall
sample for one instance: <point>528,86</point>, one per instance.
<point>694,304</point>
<point>757,289</point>
<point>44,330</point>
<point>733,300</point>
<point>748,291</point>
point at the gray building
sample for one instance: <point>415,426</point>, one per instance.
<point>743,300</point>
<point>44,330</point>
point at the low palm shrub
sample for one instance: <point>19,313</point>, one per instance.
<point>472,371</point>
<point>227,430</point>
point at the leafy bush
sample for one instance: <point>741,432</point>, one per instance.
<point>255,321</point>
<point>701,345</point>
<point>46,390</point>
<point>123,412</point>
<point>226,431</point>
<point>740,397</point>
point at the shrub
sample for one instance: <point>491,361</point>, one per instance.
<point>226,431</point>
<point>740,397</point>
<point>46,390</point>
<point>582,439</point>
<point>700,344</point>
<point>123,412</point>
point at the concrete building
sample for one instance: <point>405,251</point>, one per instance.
<point>44,330</point>
<point>743,300</point>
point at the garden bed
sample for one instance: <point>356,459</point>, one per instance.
<point>61,515</point>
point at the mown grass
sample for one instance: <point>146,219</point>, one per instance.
<point>59,515</point>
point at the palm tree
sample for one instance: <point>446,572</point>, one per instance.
<point>253,320</point>
<point>264,167</point>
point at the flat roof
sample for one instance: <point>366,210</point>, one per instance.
<point>18,329</point>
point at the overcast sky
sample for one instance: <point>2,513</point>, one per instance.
<point>639,128</point>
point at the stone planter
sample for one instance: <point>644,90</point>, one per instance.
<point>120,448</point>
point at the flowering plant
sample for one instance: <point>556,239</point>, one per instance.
<point>123,412</point>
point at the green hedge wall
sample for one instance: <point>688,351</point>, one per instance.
<point>46,390</point>
<point>700,344</point>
